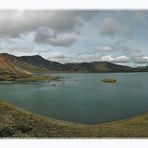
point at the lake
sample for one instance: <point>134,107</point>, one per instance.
<point>82,98</point>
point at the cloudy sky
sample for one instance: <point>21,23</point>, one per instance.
<point>77,36</point>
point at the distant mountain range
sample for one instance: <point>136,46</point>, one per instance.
<point>30,64</point>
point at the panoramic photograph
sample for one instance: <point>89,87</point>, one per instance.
<point>73,74</point>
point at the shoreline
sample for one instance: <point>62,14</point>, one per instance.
<point>16,122</point>
<point>26,78</point>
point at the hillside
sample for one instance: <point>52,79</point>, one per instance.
<point>41,64</point>
<point>11,64</point>
<point>15,122</point>
<point>26,64</point>
<point>96,67</point>
<point>30,64</point>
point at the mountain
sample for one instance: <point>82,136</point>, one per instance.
<point>26,64</point>
<point>96,67</point>
<point>30,64</point>
<point>41,64</point>
<point>12,64</point>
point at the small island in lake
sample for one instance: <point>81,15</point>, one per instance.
<point>109,80</point>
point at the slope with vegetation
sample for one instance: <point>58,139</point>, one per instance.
<point>15,122</point>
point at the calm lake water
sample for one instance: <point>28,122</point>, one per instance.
<point>82,97</point>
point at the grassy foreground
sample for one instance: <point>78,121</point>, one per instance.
<point>15,122</point>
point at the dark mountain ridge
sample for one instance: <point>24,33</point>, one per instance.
<point>30,64</point>
<point>41,63</point>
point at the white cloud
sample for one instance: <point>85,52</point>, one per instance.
<point>62,58</point>
<point>116,59</point>
<point>46,36</point>
<point>140,59</point>
<point>109,27</point>
<point>13,22</point>
<point>104,49</point>
<point>61,41</point>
